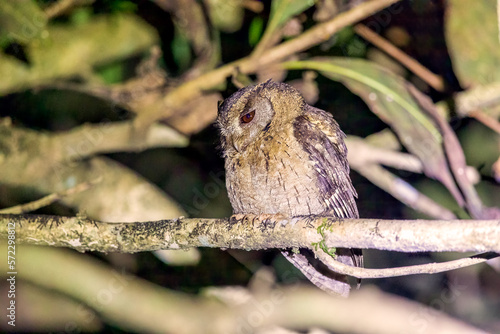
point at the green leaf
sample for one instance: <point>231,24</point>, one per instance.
<point>181,50</point>
<point>255,30</point>
<point>112,73</point>
<point>22,20</point>
<point>226,15</point>
<point>472,36</point>
<point>120,6</point>
<point>81,16</point>
<point>281,12</point>
<point>387,95</point>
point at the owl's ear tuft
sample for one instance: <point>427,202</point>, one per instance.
<point>268,83</point>
<point>225,106</point>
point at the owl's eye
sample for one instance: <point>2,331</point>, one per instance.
<point>248,117</point>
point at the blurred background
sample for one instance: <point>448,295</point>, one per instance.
<point>69,64</point>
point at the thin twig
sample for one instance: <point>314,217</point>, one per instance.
<point>49,199</point>
<point>320,33</point>
<point>62,6</point>
<point>326,283</point>
<point>361,153</point>
<point>413,65</point>
<point>403,191</point>
<point>427,268</point>
<point>486,119</point>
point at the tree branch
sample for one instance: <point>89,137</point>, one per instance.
<point>403,191</point>
<point>253,232</point>
<point>435,81</point>
<point>88,140</point>
<point>261,232</point>
<point>362,153</point>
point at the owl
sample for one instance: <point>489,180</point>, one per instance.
<point>283,156</point>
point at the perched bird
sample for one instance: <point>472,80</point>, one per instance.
<point>283,156</point>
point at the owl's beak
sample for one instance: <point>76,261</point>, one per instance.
<point>236,146</point>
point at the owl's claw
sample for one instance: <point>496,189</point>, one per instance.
<point>238,216</point>
<point>266,216</point>
<point>261,217</point>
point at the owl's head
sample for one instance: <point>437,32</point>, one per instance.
<point>252,111</point>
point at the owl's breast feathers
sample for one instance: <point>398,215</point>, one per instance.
<point>273,175</point>
<point>299,169</point>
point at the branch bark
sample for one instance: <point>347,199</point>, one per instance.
<point>253,232</point>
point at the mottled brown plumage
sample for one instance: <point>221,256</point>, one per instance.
<point>283,156</point>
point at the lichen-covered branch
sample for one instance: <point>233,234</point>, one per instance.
<point>253,232</point>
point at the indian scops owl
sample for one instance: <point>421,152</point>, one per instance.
<point>283,156</point>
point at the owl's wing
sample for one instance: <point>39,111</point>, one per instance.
<point>321,137</point>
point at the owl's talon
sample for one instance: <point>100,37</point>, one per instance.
<point>266,217</point>
<point>238,216</point>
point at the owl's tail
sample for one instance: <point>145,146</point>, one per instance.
<point>320,275</point>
